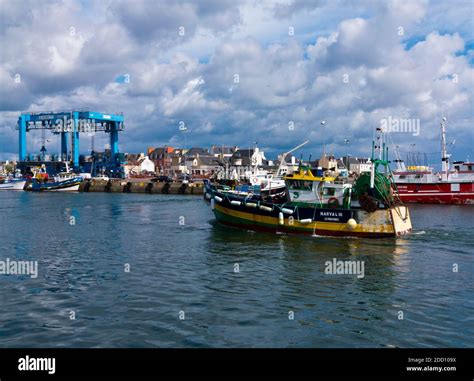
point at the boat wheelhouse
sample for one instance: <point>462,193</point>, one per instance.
<point>304,187</point>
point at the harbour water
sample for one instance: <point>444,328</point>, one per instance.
<point>194,283</point>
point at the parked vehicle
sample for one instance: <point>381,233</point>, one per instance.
<point>101,178</point>
<point>162,179</point>
<point>185,178</point>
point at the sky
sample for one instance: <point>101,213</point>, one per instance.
<point>239,72</point>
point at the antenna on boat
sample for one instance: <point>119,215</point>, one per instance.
<point>400,163</point>
<point>444,153</point>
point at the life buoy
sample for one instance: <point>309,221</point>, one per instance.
<point>333,202</point>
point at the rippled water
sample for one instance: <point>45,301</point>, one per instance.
<point>190,267</point>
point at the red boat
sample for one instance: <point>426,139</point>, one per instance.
<point>421,184</point>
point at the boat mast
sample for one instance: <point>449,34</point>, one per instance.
<point>380,149</point>
<point>444,154</point>
<point>400,164</point>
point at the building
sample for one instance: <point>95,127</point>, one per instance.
<point>287,164</point>
<point>248,158</point>
<point>161,157</point>
<point>138,164</point>
<point>223,152</point>
<point>327,163</point>
<point>357,165</point>
<point>341,168</point>
<point>202,166</point>
<point>330,166</point>
<point>200,162</point>
<point>147,165</point>
<point>193,152</point>
<point>177,164</point>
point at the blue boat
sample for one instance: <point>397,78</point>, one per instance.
<point>60,183</point>
<point>63,181</point>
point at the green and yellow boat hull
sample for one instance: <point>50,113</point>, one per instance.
<point>294,219</point>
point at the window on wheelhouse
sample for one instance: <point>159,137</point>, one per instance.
<point>300,185</point>
<point>329,191</point>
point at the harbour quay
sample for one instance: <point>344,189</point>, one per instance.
<point>141,186</point>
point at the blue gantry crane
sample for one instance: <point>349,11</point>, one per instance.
<point>69,125</point>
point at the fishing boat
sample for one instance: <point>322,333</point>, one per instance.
<point>59,183</point>
<point>62,182</point>
<point>322,206</point>
<point>12,183</point>
<point>269,189</point>
<point>267,184</point>
<point>260,182</point>
<point>421,184</point>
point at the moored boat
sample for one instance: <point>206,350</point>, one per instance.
<point>12,184</point>
<point>62,182</point>
<point>421,184</point>
<point>12,181</point>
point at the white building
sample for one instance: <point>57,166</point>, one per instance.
<point>138,164</point>
<point>248,158</point>
<point>146,165</point>
<point>358,165</point>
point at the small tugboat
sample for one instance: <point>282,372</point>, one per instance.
<point>63,181</point>
<point>322,206</point>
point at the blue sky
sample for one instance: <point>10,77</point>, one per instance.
<point>349,63</point>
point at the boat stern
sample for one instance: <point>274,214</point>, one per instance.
<point>390,222</point>
<point>401,220</point>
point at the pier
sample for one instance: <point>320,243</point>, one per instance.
<point>140,186</point>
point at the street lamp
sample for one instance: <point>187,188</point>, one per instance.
<point>184,129</point>
<point>346,142</point>
<point>323,123</point>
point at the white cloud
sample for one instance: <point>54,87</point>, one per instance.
<point>355,70</point>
